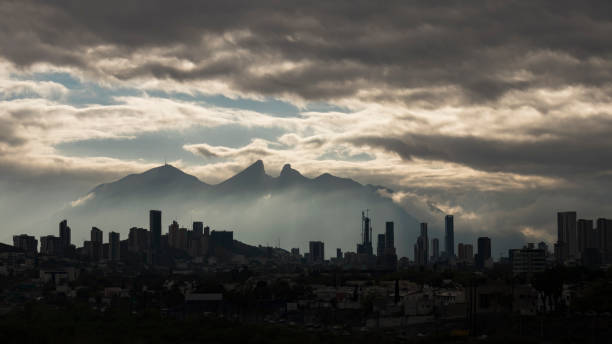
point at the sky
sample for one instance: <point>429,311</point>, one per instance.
<point>499,112</point>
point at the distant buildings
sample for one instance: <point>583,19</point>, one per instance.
<point>578,241</point>
<point>449,236</point>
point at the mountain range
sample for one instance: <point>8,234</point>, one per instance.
<point>261,209</point>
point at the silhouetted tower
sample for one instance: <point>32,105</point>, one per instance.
<point>380,247</point>
<point>339,253</point>
<point>435,245</point>
<point>366,235</point>
<point>484,252</point>
<point>155,219</point>
<point>567,239</point>
<point>198,228</point>
<point>96,235</point>
<point>389,236</point>
<point>64,234</point>
<point>114,247</point>
<point>449,236</point>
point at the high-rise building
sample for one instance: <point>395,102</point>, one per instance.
<point>389,235</point>
<point>155,220</point>
<point>95,246</point>
<point>585,234</point>
<point>295,252</point>
<point>604,230</point>
<point>138,240</point>
<point>435,244</point>
<point>339,253</point>
<point>114,246</point>
<point>64,234</point>
<point>484,252</point>
<point>96,235</point>
<point>380,246</point>
<point>567,243</point>
<point>26,242</point>
<point>468,252</point>
<point>317,251</point>
<point>366,236</point>
<point>50,245</point>
<point>422,246</point>
<point>449,236</point>
<point>198,228</point>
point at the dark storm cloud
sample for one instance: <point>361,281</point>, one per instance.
<point>571,148</point>
<point>342,46</point>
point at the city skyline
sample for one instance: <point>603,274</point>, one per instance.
<point>496,122</point>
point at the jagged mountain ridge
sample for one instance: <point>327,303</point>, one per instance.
<point>261,208</point>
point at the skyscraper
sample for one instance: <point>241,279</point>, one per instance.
<point>449,236</point>
<point>435,243</point>
<point>198,228</point>
<point>155,228</point>
<point>380,246</point>
<point>567,242</point>
<point>96,245</point>
<point>389,236</point>
<point>484,252</point>
<point>422,246</point>
<point>317,251</point>
<point>64,234</point>
<point>114,247</point>
<point>96,234</point>
<point>366,235</point>
<point>584,234</point>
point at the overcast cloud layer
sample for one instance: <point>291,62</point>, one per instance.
<point>499,112</point>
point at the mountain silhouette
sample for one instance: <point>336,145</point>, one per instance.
<point>292,207</point>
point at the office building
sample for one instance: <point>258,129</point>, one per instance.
<point>449,236</point>
<point>365,248</point>
<point>25,242</point>
<point>585,235</point>
<point>96,235</point>
<point>528,260</point>
<point>422,246</point>
<point>155,221</point>
<point>483,257</point>
<point>198,228</point>
<point>339,253</point>
<point>94,248</point>
<point>567,245</point>
<point>604,231</point>
<point>380,245</point>
<point>435,246</point>
<point>316,252</point>
<point>50,245</point>
<point>465,252</point>
<point>389,235</point>
<point>114,247</point>
<point>64,234</point>
<point>138,240</point>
